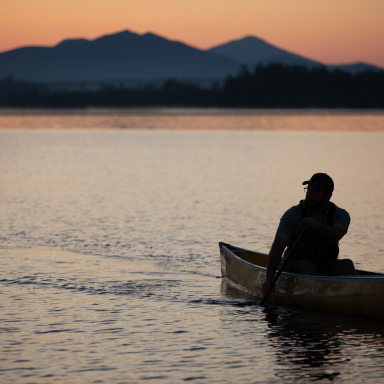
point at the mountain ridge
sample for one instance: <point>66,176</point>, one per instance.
<point>124,55</point>
<point>128,55</point>
<point>252,51</point>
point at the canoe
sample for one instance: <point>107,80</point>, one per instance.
<point>362,294</point>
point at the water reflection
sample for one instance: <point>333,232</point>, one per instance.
<point>301,340</point>
<point>312,345</point>
<point>141,287</point>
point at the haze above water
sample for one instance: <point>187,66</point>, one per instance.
<point>110,256</point>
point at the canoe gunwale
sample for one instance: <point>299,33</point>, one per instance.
<point>357,278</point>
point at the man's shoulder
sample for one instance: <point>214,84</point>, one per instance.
<point>293,210</point>
<point>340,211</point>
<point>290,221</point>
<point>292,213</point>
<point>341,216</point>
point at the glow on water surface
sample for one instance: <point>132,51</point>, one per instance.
<point>110,258</point>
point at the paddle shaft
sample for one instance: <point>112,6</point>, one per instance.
<point>285,262</point>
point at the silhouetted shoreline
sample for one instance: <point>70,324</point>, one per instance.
<point>188,111</point>
<point>273,86</point>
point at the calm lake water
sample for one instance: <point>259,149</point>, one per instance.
<point>110,262</point>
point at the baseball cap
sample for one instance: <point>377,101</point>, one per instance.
<point>321,180</point>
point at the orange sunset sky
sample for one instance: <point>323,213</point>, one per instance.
<point>330,31</point>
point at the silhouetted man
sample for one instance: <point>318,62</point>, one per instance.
<point>317,250</point>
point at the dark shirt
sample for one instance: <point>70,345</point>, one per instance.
<point>290,222</point>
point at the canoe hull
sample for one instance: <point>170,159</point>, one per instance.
<point>360,295</point>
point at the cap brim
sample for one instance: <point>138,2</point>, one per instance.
<point>314,183</point>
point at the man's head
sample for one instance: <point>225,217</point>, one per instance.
<point>319,191</point>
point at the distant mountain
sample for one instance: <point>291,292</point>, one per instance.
<point>123,55</point>
<point>130,56</point>
<point>355,68</point>
<point>253,51</point>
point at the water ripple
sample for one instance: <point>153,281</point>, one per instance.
<point>110,260</point>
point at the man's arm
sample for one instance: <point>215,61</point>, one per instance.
<point>333,234</point>
<point>274,258</point>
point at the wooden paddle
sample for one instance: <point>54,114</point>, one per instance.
<point>283,265</point>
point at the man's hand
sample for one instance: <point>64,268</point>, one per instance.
<point>333,234</point>
<point>310,223</point>
<point>267,287</point>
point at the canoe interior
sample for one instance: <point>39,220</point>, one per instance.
<point>260,259</point>
<point>252,257</point>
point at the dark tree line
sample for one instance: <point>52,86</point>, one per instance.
<point>273,86</point>
<point>299,87</point>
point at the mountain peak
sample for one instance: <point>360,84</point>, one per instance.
<point>118,36</point>
<point>251,51</point>
<point>72,42</point>
<point>250,38</point>
<point>124,32</point>
<point>246,40</point>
